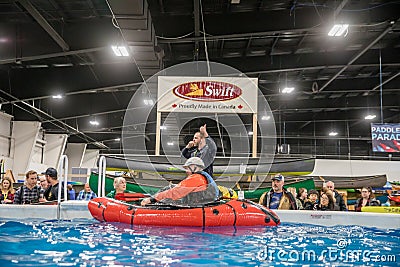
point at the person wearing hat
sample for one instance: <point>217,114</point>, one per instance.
<point>196,189</point>
<point>202,146</point>
<point>278,197</point>
<point>51,193</point>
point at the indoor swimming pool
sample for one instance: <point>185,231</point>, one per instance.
<point>90,243</point>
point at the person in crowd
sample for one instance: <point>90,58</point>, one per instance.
<point>71,192</point>
<point>87,193</point>
<point>51,193</point>
<point>367,199</point>
<point>278,197</point>
<point>339,199</point>
<point>312,203</point>
<point>327,200</point>
<point>30,192</point>
<point>119,187</point>
<point>302,196</point>
<point>196,189</point>
<point>292,190</point>
<point>7,191</point>
<point>43,182</point>
<point>202,146</point>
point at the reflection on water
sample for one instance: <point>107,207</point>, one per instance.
<point>89,243</point>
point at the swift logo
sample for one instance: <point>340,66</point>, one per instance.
<point>207,91</point>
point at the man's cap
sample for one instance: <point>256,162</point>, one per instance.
<point>278,177</point>
<point>194,161</point>
<point>50,172</point>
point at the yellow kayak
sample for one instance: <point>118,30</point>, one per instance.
<point>381,209</point>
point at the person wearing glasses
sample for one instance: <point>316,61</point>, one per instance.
<point>30,192</point>
<point>367,199</point>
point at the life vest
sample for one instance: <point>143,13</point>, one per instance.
<point>209,195</point>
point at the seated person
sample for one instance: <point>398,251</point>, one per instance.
<point>327,200</point>
<point>196,189</point>
<point>312,202</point>
<point>7,191</point>
<point>119,187</point>
<point>30,192</point>
<point>367,199</point>
<point>278,197</point>
<point>86,193</point>
<point>43,182</point>
<point>292,190</point>
<point>302,196</point>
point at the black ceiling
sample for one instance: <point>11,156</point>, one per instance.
<point>54,46</point>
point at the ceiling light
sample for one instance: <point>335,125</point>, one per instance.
<point>265,118</point>
<point>96,123</point>
<point>333,133</point>
<point>117,139</point>
<point>170,143</point>
<point>148,102</point>
<point>235,1</point>
<point>120,51</point>
<point>163,127</point>
<point>56,96</point>
<point>339,30</point>
<point>250,133</point>
<point>287,90</point>
<point>370,117</point>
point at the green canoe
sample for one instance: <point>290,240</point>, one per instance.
<point>151,186</point>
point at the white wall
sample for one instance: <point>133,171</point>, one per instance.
<point>24,134</point>
<point>6,140</point>
<point>330,167</point>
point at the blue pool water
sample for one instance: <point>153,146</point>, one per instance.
<point>90,243</point>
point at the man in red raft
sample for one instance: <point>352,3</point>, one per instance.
<point>198,188</point>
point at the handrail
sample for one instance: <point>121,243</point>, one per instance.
<point>102,177</point>
<point>62,172</point>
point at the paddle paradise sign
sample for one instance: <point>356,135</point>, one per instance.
<point>207,94</point>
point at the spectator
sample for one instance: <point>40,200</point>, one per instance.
<point>30,192</point>
<point>327,200</point>
<point>119,187</point>
<point>339,199</point>
<point>278,197</point>
<point>51,193</point>
<point>367,199</point>
<point>312,203</point>
<point>7,191</point>
<point>86,193</point>
<point>43,182</point>
<point>292,190</point>
<point>202,146</point>
<point>302,196</point>
<point>71,192</point>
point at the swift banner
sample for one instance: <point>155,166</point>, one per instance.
<point>207,94</point>
<point>385,137</point>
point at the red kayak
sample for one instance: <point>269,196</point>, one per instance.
<point>223,213</point>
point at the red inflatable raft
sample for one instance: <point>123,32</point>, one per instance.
<point>223,213</point>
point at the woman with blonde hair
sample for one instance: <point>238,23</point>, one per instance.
<point>119,187</point>
<point>7,191</point>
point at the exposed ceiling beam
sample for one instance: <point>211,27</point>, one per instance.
<point>196,13</point>
<point>53,55</point>
<point>45,25</point>
<point>383,83</point>
<point>339,8</point>
<point>357,56</point>
<point>60,124</point>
